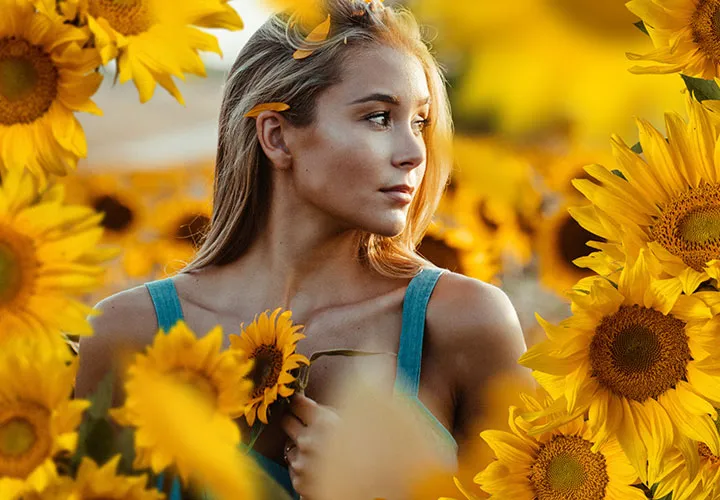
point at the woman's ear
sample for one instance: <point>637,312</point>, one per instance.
<point>271,130</point>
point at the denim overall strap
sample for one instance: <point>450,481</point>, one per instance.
<point>417,296</point>
<point>167,304</point>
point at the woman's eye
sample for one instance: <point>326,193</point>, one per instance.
<point>384,116</point>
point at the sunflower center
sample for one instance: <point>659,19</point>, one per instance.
<point>705,28</point>
<point>25,440</point>
<point>267,365</point>
<point>689,226</point>
<point>192,228</point>
<point>28,81</point>
<point>567,468</point>
<point>639,353</point>
<point>705,453</point>
<point>17,267</point>
<point>118,217</point>
<point>128,17</point>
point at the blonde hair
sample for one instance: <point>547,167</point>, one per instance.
<point>265,71</point>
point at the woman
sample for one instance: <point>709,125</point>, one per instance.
<point>318,209</point>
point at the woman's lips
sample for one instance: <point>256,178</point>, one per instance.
<point>399,196</point>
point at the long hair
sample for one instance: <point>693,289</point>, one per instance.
<point>265,71</point>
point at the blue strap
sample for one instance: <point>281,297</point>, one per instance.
<point>417,296</point>
<point>167,304</point>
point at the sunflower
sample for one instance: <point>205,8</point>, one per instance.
<point>204,441</point>
<point>684,34</point>
<point>181,224</point>
<point>99,483</point>
<point>676,477</point>
<point>638,362</point>
<point>494,194</point>
<point>38,420</point>
<point>49,255</point>
<point>558,242</point>
<point>219,378</point>
<point>668,200</point>
<point>270,342</point>
<point>45,76</point>
<point>555,465</point>
<point>155,40</point>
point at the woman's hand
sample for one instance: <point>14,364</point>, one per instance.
<point>307,425</point>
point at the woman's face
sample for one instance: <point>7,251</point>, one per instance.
<point>367,137</point>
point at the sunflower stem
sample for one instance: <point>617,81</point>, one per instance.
<point>257,429</point>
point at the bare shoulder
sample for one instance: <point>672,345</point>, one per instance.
<point>465,311</point>
<point>126,323</point>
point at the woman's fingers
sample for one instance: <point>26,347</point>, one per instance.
<point>292,426</point>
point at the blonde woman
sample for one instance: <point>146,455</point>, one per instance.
<point>319,209</point>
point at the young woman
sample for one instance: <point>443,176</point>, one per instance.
<point>319,209</point>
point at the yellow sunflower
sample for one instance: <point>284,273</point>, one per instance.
<point>558,242</point>
<point>684,34</point>
<point>155,40</point>
<point>99,483</point>
<point>270,343</point>
<point>38,420</point>
<point>667,200</point>
<point>218,377</point>
<point>49,256</point>
<point>555,465</point>
<point>181,224</point>
<point>677,478</point>
<point>640,363</point>
<point>45,76</point>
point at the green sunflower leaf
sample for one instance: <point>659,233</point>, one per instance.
<point>701,89</point>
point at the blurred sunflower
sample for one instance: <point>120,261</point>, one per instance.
<point>635,360</point>
<point>558,242</point>
<point>270,343</point>
<point>121,205</point>
<point>667,200</point>
<point>181,224</point>
<point>45,76</point>
<point>555,465</point>
<point>218,377</point>
<point>155,40</point>
<point>38,420</point>
<point>99,483</point>
<point>49,256</point>
<point>684,34</point>
<point>510,76</point>
<point>495,195</point>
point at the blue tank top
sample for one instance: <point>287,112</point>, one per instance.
<point>407,379</point>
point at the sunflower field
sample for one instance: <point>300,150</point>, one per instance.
<point>586,185</point>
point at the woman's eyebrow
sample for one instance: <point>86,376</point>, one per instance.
<point>391,99</point>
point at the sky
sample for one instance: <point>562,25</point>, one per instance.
<point>253,14</point>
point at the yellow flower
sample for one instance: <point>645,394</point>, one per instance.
<point>270,342</point>
<point>640,363</point>
<point>555,465</point>
<point>670,202</point>
<point>558,242</point>
<point>99,483</point>
<point>37,417</point>
<point>181,223</point>
<point>206,442</point>
<point>684,35</point>
<point>685,484</point>
<point>218,377</point>
<point>155,40</point>
<point>45,76</point>
<point>494,194</point>
<point>49,256</point>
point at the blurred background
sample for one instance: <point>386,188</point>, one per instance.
<point>537,87</point>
